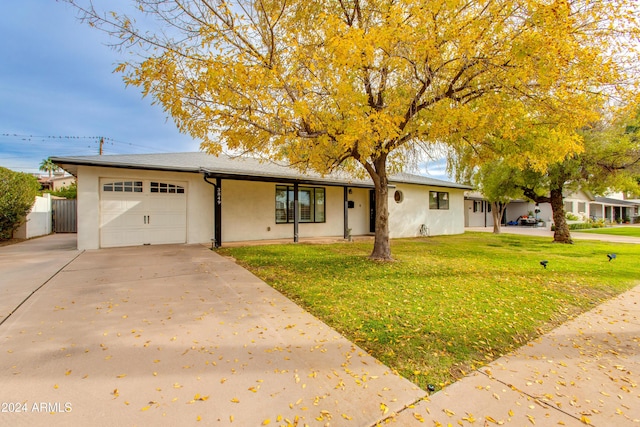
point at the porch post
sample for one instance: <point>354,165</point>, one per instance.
<point>296,212</point>
<point>218,213</point>
<point>484,210</point>
<point>346,212</point>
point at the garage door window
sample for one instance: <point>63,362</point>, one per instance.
<point>123,186</point>
<point>161,187</point>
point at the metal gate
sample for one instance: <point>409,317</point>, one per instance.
<point>64,215</point>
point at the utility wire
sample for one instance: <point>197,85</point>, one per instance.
<point>96,139</point>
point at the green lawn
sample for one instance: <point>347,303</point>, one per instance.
<point>633,231</point>
<point>447,304</point>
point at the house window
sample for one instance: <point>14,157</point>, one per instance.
<point>311,204</point>
<point>124,186</point>
<point>161,187</point>
<point>582,207</point>
<point>398,196</point>
<point>438,200</point>
<point>568,206</point>
<point>477,206</point>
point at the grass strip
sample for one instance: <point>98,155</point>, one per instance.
<point>447,304</point>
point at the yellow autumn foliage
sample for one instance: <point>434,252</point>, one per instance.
<point>358,83</point>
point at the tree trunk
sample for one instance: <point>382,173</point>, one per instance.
<point>381,246</point>
<point>497,212</point>
<point>562,233</point>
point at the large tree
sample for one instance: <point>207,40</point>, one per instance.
<point>357,84</point>
<point>609,160</point>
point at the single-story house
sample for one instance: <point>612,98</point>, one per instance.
<point>137,199</point>
<point>581,203</point>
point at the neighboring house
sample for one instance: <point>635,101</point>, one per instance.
<point>56,182</point>
<point>580,203</point>
<point>126,200</point>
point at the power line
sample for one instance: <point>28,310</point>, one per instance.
<point>94,139</point>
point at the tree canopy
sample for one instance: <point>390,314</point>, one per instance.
<point>47,165</point>
<point>359,84</point>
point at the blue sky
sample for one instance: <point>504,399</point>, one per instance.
<point>56,81</point>
<point>59,95</point>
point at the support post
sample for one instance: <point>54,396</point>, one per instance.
<point>346,213</point>
<point>296,212</point>
<point>218,213</point>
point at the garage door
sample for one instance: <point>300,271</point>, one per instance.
<point>142,212</point>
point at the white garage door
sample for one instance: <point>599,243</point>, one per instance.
<point>142,212</point>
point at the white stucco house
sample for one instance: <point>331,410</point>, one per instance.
<point>137,199</point>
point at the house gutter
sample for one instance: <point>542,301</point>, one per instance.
<point>217,208</point>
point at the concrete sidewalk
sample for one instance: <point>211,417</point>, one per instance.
<point>174,335</point>
<point>545,232</point>
<point>587,371</point>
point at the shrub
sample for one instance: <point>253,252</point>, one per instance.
<point>69,192</point>
<point>571,216</point>
<point>580,226</point>
<point>17,194</point>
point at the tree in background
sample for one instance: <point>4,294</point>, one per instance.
<point>17,194</point>
<point>498,183</point>
<point>609,161</point>
<point>361,84</point>
<point>48,166</point>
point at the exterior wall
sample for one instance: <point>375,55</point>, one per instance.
<point>481,218</point>
<point>359,214</point>
<point>38,221</point>
<point>249,213</point>
<point>248,209</point>
<point>199,202</point>
<point>406,218</point>
<point>578,203</point>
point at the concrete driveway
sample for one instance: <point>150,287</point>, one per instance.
<point>172,335</point>
<point>26,266</point>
